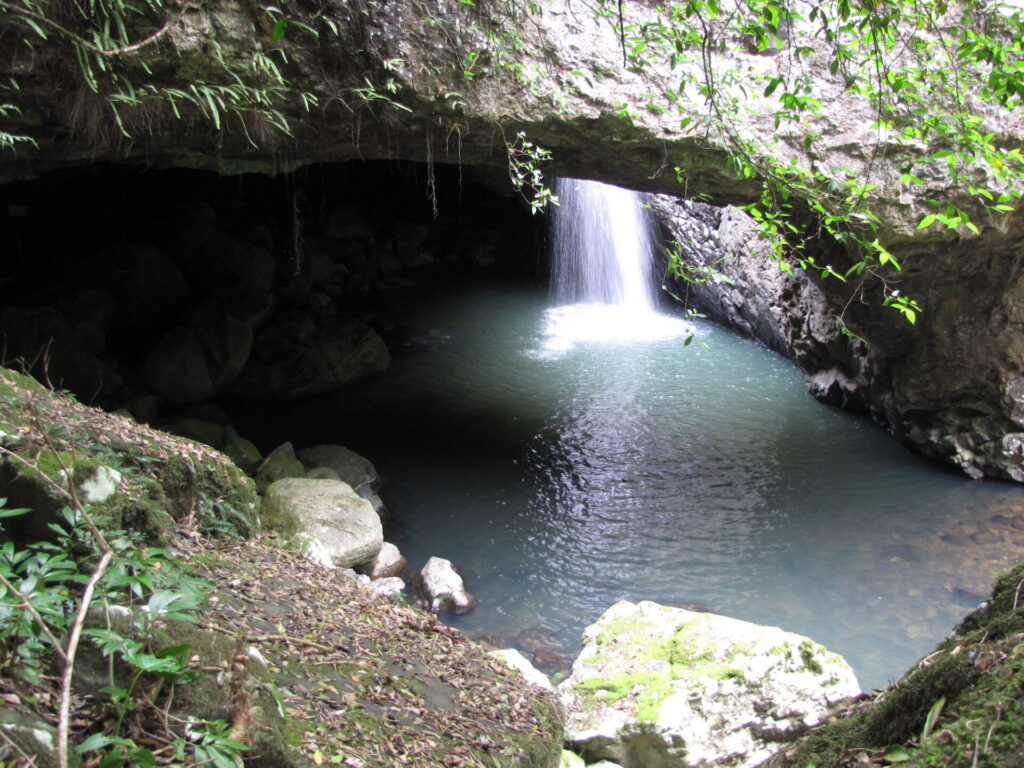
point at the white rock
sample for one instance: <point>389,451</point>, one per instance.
<point>392,586</point>
<point>326,519</point>
<point>356,470</point>
<point>518,662</point>
<point>389,562</point>
<point>442,588</point>
<point>695,689</point>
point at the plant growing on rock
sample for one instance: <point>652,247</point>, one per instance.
<point>97,581</point>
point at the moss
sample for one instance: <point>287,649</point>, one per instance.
<point>808,653</point>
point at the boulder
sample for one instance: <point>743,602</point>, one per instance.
<point>441,588</point>
<point>147,287</point>
<point>389,563</point>
<point>243,452</point>
<point>279,464</point>
<point>518,662</point>
<point>57,351</point>
<point>30,737</point>
<point>321,473</point>
<point>198,360</point>
<point>390,587</point>
<point>356,470</point>
<point>660,687</point>
<point>293,358</point>
<point>325,519</point>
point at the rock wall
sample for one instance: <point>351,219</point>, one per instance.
<point>446,82</point>
<point>949,386</point>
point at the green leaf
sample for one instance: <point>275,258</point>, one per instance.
<point>898,754</point>
<point>927,221</point>
<point>936,710</point>
<point>279,28</point>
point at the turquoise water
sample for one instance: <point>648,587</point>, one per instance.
<point>562,477</point>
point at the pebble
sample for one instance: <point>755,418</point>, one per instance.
<point>986,537</point>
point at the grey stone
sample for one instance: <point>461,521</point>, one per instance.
<point>442,589</point>
<point>518,662</point>
<point>279,464</point>
<point>660,687</point>
<point>194,362</point>
<point>389,562</point>
<point>325,519</point>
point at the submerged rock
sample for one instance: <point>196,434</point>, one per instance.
<point>659,687</point>
<point>442,588</point>
<point>325,519</point>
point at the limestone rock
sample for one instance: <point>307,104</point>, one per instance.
<point>147,288</point>
<point>356,470</point>
<point>103,484</point>
<point>325,519</point>
<point>202,431</point>
<point>198,360</point>
<point>243,452</point>
<point>390,587</point>
<point>518,662</point>
<point>293,358</point>
<point>659,687</point>
<point>34,737</point>
<point>322,473</point>
<point>279,464</point>
<point>389,562</point>
<point>441,587</point>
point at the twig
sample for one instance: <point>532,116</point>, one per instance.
<point>78,39</point>
<point>63,723</point>
<point>1016,595</point>
<point>265,638</point>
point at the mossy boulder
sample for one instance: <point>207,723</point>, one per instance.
<point>661,687</point>
<point>55,444</point>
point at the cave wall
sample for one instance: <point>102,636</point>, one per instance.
<point>949,386</point>
<point>391,80</point>
<point>165,289</point>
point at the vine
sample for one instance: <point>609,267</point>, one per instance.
<point>927,69</point>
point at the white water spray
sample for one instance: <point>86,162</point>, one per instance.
<point>602,247</point>
<point>602,270</point>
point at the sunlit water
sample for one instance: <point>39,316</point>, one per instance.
<point>565,476</point>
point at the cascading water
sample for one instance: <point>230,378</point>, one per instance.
<point>602,269</point>
<point>602,247</point>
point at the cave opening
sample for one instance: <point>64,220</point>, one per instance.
<point>560,479</point>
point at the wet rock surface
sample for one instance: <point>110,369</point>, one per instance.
<point>325,519</point>
<point>947,386</point>
<point>659,687</point>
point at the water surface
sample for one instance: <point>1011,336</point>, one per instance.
<point>563,475</point>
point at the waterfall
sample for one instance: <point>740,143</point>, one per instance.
<point>602,244</point>
<point>602,265</point>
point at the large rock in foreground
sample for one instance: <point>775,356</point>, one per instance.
<point>325,519</point>
<point>660,687</point>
